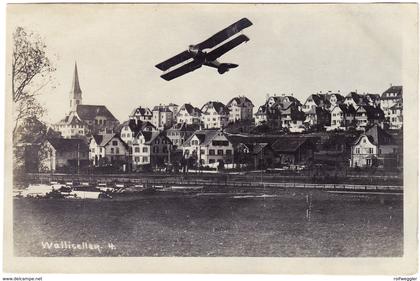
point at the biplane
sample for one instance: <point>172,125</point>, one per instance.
<point>196,56</point>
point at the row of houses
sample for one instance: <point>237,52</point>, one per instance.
<point>169,134</point>
<point>150,149</point>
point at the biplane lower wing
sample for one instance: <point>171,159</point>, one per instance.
<point>181,57</point>
<point>189,67</point>
<point>224,34</point>
<point>220,51</point>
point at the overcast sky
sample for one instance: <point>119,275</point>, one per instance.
<point>294,49</point>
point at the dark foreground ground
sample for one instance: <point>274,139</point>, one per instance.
<point>289,224</point>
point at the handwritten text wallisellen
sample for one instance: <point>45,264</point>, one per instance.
<point>67,245</point>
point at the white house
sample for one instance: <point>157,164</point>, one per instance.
<point>214,115</point>
<point>342,116</point>
<point>162,117</point>
<point>375,147</point>
<point>109,147</point>
<point>150,148</point>
<point>142,114</point>
<point>240,108</point>
<point>188,114</point>
<point>208,147</point>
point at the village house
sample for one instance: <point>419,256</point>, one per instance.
<point>333,99</point>
<point>261,115</point>
<point>372,99</point>
<point>395,116</point>
<point>317,117</point>
<point>315,101</point>
<point>342,117</point>
<point>208,147</point>
<point>130,128</point>
<point>150,148</point>
<point>188,114</point>
<point>214,115</point>
<point>374,148</point>
<point>71,126</point>
<point>354,99</point>
<point>107,148</point>
<point>174,108</point>
<point>180,132</point>
<point>367,115</point>
<point>293,150</point>
<point>291,117</point>
<point>162,117</point>
<point>61,154</point>
<point>84,119</point>
<point>141,114</point>
<point>240,108</point>
<point>391,97</point>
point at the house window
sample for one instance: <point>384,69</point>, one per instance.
<point>117,150</point>
<point>112,150</point>
<point>101,150</point>
<point>357,150</point>
<point>211,151</point>
<point>370,150</point>
<point>145,149</point>
<point>202,152</point>
<point>219,152</point>
<point>145,159</point>
<point>114,143</point>
<point>368,162</point>
<point>228,152</point>
<point>137,149</point>
<point>137,159</point>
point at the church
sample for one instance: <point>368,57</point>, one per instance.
<point>84,120</point>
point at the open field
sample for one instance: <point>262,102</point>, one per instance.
<point>281,224</point>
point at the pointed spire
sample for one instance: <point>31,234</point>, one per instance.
<point>75,85</point>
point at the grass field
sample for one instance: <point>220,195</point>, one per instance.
<point>289,224</point>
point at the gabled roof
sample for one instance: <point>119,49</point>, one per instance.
<point>149,137</point>
<point>204,136</point>
<point>358,99</point>
<point>378,136</point>
<point>103,140</point>
<point>288,144</point>
<point>68,145</point>
<point>371,112</point>
<point>339,97</point>
<point>142,111</point>
<point>398,90</point>
<point>161,108</point>
<point>240,101</point>
<point>262,110</point>
<point>398,105</point>
<point>219,107</point>
<point>89,112</point>
<point>190,109</point>
<point>319,99</point>
<point>346,109</point>
<point>71,119</point>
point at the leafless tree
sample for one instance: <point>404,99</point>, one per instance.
<point>31,72</point>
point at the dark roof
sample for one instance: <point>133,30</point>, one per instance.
<point>398,105</point>
<point>358,99</point>
<point>68,145</point>
<point>392,90</point>
<point>89,112</point>
<point>218,107</point>
<point>347,109</point>
<point>240,101</point>
<point>190,109</point>
<point>262,110</point>
<point>319,99</point>
<point>339,97</point>
<point>184,127</point>
<point>71,119</point>
<point>378,136</point>
<point>373,113</point>
<point>161,108</point>
<point>288,144</point>
<point>140,110</point>
<point>205,136</point>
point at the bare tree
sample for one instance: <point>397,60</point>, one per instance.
<point>31,71</point>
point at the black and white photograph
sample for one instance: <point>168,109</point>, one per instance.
<point>240,136</point>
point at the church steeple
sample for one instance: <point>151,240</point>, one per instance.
<point>76,92</point>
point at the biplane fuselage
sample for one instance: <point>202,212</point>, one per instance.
<point>194,57</point>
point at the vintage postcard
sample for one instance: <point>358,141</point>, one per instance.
<point>211,138</point>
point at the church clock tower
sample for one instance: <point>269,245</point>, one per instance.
<point>76,92</point>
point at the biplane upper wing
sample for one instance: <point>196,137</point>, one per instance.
<point>191,66</point>
<point>224,34</point>
<point>181,57</point>
<point>220,51</point>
